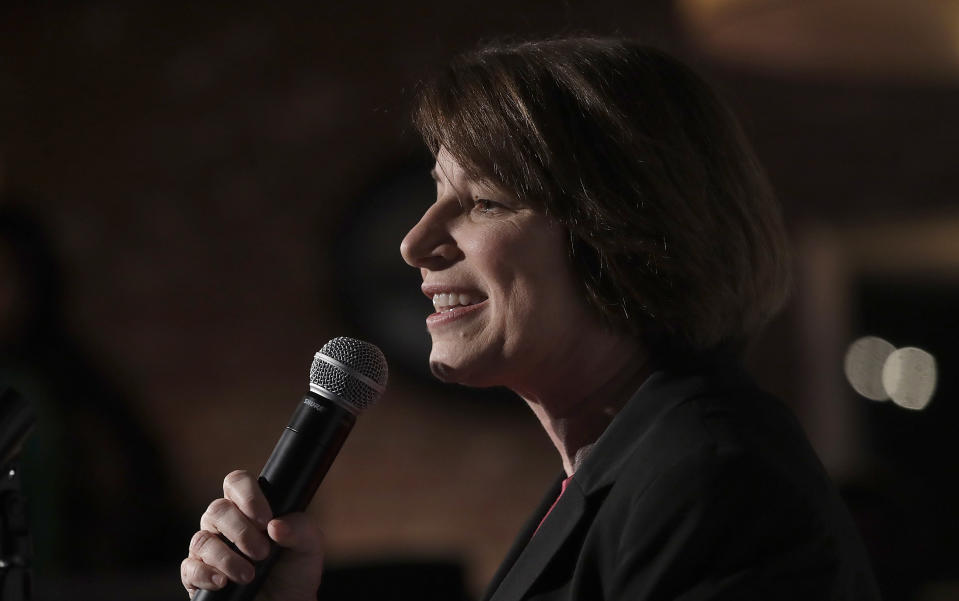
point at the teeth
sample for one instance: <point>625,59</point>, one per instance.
<point>445,301</point>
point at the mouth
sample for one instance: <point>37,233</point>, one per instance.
<point>451,305</point>
<point>444,302</point>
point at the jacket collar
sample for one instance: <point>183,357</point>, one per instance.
<point>662,390</point>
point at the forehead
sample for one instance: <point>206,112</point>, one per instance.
<point>446,168</point>
<point>452,179</point>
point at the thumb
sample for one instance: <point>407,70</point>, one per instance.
<point>298,532</point>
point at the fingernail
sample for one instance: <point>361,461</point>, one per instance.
<point>247,575</point>
<point>219,579</point>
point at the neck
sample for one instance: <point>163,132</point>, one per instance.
<point>575,413</point>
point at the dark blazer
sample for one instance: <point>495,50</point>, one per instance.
<point>702,487</point>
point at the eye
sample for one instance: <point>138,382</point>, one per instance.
<point>485,206</point>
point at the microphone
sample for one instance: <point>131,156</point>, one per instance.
<point>346,378</point>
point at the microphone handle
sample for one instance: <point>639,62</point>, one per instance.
<point>297,465</point>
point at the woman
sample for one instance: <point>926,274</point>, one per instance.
<point>604,244</point>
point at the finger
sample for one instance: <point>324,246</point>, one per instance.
<point>243,489</point>
<point>299,532</point>
<point>211,550</point>
<point>195,574</point>
<point>224,517</point>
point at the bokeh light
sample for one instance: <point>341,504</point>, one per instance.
<point>864,366</point>
<point>909,377</point>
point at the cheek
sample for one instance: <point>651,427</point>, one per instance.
<point>533,273</point>
<point>493,257</point>
<point>526,270</point>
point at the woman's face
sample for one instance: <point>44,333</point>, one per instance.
<point>507,305</point>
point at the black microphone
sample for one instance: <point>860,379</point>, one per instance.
<point>346,378</point>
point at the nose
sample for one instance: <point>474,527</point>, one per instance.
<point>430,243</point>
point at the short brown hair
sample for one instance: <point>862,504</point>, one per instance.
<point>672,225</point>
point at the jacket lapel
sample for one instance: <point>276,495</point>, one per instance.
<point>523,537</point>
<point>532,555</point>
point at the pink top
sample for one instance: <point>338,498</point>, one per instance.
<point>562,490</point>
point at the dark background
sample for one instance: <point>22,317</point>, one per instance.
<point>196,196</point>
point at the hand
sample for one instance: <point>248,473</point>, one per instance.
<point>243,516</point>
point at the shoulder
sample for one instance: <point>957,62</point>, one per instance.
<point>723,454</point>
<point>725,485</point>
<point>718,444</point>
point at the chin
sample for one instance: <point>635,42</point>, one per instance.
<point>443,372</point>
<point>465,371</point>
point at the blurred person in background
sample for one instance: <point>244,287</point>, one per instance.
<point>604,243</point>
<point>89,459</point>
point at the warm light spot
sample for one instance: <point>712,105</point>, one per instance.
<point>909,376</point>
<point>864,366</point>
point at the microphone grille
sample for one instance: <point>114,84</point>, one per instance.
<point>352,370</point>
